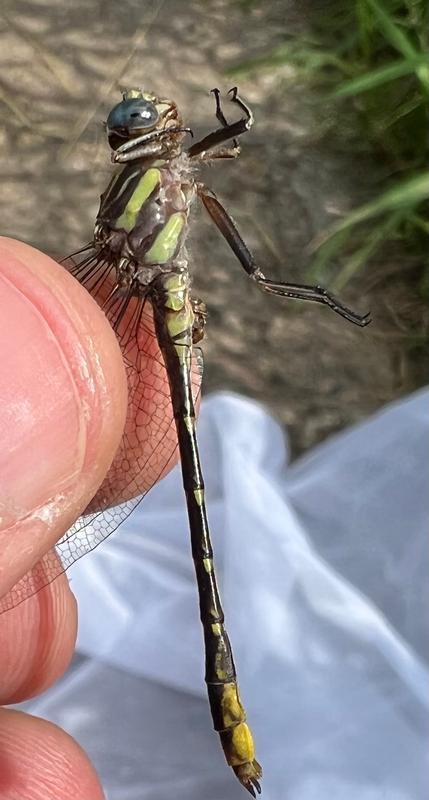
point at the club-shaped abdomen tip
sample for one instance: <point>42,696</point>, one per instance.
<point>249,775</point>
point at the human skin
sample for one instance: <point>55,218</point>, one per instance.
<point>63,400</point>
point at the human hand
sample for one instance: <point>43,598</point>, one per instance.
<point>62,410</point>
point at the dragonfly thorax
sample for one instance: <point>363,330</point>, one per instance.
<point>142,221</point>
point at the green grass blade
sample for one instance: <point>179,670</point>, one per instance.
<point>373,241</point>
<point>419,222</point>
<point>406,195</point>
<point>407,107</point>
<point>377,77</point>
<point>392,32</point>
<point>423,75</point>
<point>309,58</point>
<point>326,250</point>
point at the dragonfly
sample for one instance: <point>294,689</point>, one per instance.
<point>137,267</point>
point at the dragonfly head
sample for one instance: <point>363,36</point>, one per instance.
<point>143,122</point>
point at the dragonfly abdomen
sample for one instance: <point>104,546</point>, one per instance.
<point>174,325</point>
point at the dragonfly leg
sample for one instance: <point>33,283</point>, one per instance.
<point>227,131</point>
<point>228,151</point>
<point>200,316</point>
<point>220,116</point>
<point>149,144</point>
<point>296,291</point>
<point>219,153</point>
<point>174,325</point>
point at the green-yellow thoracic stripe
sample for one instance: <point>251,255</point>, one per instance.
<point>165,244</point>
<point>143,190</point>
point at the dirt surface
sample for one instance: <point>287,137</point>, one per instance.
<point>62,65</point>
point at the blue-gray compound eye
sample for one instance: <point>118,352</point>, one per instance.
<point>132,115</point>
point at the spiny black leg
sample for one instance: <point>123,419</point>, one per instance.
<point>239,102</point>
<point>317,294</point>
<point>297,291</point>
<point>146,145</point>
<point>220,115</point>
<point>228,131</point>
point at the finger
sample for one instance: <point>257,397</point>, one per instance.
<point>39,760</point>
<point>62,409</point>
<point>37,640</point>
<point>63,404</point>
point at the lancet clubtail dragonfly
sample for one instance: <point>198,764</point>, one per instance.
<point>137,260</point>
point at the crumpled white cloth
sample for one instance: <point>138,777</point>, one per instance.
<point>324,577</point>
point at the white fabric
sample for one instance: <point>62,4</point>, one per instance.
<point>323,571</point>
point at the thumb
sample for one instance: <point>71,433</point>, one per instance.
<point>62,404</point>
<point>62,410</point>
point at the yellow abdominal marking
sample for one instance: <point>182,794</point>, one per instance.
<point>143,190</point>
<point>189,422</point>
<point>165,244</point>
<point>220,671</point>
<point>175,300</point>
<point>199,497</point>
<point>179,323</point>
<point>243,746</point>
<point>232,710</point>
<point>216,628</point>
<point>208,565</point>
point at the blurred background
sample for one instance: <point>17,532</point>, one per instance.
<point>332,187</point>
<point>339,92</point>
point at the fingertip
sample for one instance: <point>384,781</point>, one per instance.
<point>37,640</point>
<point>39,760</point>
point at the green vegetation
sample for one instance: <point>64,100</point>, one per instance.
<point>370,60</point>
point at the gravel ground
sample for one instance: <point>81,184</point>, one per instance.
<point>61,68</point>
